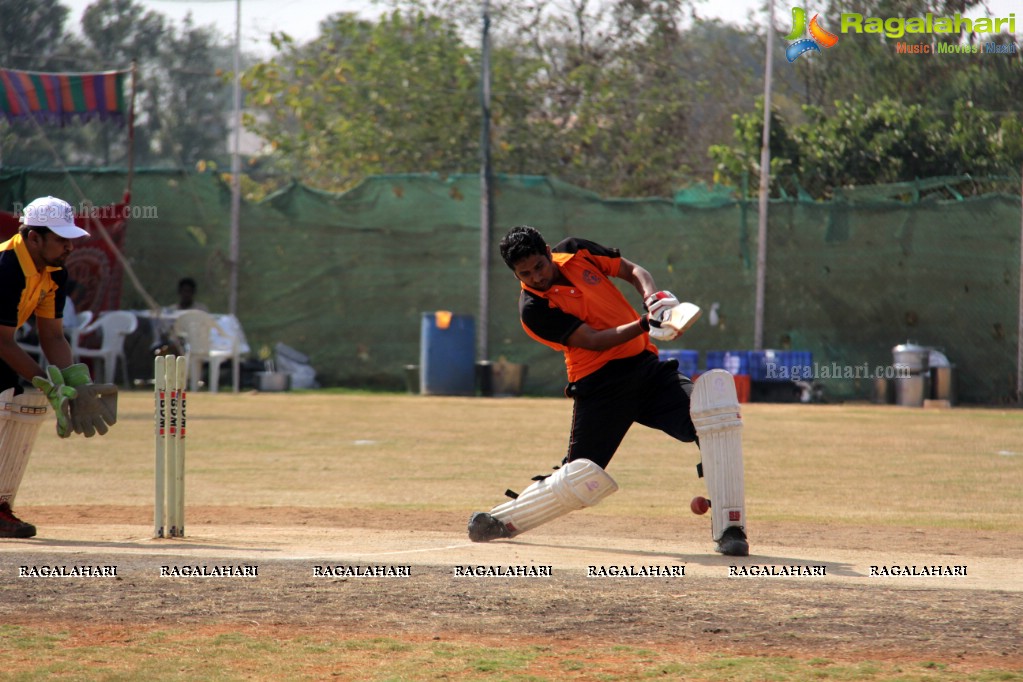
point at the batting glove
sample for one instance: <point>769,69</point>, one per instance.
<point>658,302</point>
<point>95,407</point>
<point>658,332</point>
<point>59,395</point>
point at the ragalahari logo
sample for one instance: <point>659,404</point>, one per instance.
<point>818,36</point>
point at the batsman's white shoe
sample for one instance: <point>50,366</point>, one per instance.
<point>483,528</point>
<point>733,542</point>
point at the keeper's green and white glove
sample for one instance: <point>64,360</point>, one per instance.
<point>60,397</point>
<point>94,409</point>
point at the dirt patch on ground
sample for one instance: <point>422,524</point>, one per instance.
<point>754,619</point>
<point>973,628</point>
<point>947,542</point>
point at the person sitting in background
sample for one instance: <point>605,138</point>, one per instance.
<point>187,289</point>
<point>166,343</point>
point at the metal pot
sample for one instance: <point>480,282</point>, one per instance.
<point>913,356</point>
<point>273,381</point>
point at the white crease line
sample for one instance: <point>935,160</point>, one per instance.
<point>402,551</point>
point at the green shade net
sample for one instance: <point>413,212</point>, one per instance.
<point>345,278</point>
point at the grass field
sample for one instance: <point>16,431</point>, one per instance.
<point>321,465</point>
<point>846,464</point>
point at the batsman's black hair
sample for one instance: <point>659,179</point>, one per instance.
<point>522,241</point>
<point>25,229</point>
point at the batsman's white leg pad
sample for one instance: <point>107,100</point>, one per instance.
<point>577,484</point>
<point>20,419</point>
<point>714,408</point>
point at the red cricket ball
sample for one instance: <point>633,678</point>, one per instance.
<point>699,505</point>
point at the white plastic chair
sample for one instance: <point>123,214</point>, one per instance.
<point>30,348</point>
<point>197,328</point>
<point>115,326</point>
<point>74,333</point>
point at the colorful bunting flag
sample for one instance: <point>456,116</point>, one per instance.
<point>61,98</point>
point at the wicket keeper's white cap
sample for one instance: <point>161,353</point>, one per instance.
<point>55,214</point>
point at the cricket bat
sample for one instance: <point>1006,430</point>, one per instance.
<point>680,318</point>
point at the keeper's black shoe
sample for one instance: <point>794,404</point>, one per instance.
<point>733,542</point>
<point>13,527</point>
<point>483,528</point>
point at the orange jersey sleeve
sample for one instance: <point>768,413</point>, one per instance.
<point>592,298</point>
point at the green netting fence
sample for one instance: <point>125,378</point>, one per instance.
<point>345,278</point>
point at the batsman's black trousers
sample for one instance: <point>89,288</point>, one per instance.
<point>641,390</point>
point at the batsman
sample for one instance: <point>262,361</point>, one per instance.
<point>615,378</point>
<point>33,282</point>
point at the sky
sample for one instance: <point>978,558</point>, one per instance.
<point>301,18</point>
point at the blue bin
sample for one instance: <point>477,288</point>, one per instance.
<point>780,365</point>
<point>768,365</point>
<point>734,361</point>
<point>800,364</point>
<point>688,360</point>
<point>447,354</point>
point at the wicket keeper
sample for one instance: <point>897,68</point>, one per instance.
<point>615,378</point>
<point>33,281</point>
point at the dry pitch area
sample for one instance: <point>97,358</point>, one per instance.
<point>293,483</point>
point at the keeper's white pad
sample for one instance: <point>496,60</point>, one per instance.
<point>577,484</point>
<point>20,419</point>
<point>714,408</point>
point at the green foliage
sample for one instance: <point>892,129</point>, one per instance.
<point>181,97</point>
<point>631,116</point>
<point>739,165</point>
<point>861,143</point>
<point>120,30</point>
<point>369,98</point>
<point>856,65</point>
<point>623,98</point>
<point>610,100</point>
<point>32,34</point>
<point>193,97</point>
<point>865,114</point>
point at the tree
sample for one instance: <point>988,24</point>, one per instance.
<point>182,100</point>
<point>622,97</point>
<point>856,64</point>
<point>868,116</point>
<point>364,98</point>
<point>620,90</point>
<point>118,32</point>
<point>194,97</point>
<point>32,34</point>
<point>33,37</point>
<point>739,165</point>
<point>609,98</point>
<point>863,144</point>
<point>870,66</point>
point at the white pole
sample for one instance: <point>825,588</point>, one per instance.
<point>236,192</point>
<point>486,192</point>
<point>765,186</point>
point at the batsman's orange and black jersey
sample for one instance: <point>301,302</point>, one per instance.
<point>552,316</point>
<point>25,291</point>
